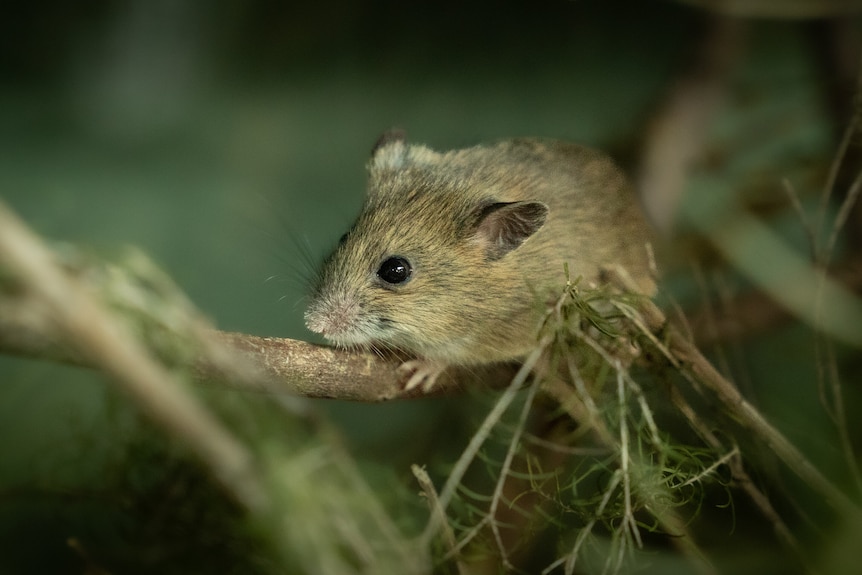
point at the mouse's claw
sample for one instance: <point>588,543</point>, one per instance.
<point>421,372</point>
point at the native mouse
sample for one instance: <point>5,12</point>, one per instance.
<point>452,249</point>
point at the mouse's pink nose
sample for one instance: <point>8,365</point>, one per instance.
<point>331,319</point>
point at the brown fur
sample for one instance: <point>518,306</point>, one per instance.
<point>462,306</point>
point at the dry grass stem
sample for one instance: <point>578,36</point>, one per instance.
<point>699,371</point>
<point>452,548</point>
<point>834,169</point>
<point>514,445</point>
<point>480,436</point>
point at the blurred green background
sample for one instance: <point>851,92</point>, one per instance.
<point>228,140</point>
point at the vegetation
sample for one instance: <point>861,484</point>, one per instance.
<point>713,431</point>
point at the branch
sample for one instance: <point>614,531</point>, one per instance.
<point>280,365</point>
<point>318,371</point>
<point>145,346</point>
<point>691,363</point>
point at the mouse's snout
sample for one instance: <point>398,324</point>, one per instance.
<point>332,317</point>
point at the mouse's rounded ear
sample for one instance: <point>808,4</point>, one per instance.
<point>388,137</point>
<point>503,226</point>
<point>390,150</point>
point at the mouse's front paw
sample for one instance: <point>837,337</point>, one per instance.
<point>420,372</point>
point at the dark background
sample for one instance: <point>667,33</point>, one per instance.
<point>224,138</point>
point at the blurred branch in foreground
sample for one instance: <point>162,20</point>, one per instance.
<point>45,305</point>
<point>66,310</point>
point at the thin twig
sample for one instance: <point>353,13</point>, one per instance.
<point>629,523</point>
<point>723,460</point>
<point>841,218</point>
<point>807,226</point>
<point>434,506</point>
<point>478,439</point>
<point>572,557</point>
<point>824,347</point>
<point>834,168</point>
<point>514,445</point>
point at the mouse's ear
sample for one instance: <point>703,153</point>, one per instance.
<point>503,226</point>
<point>390,150</point>
<point>389,136</point>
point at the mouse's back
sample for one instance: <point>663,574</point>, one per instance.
<point>594,218</point>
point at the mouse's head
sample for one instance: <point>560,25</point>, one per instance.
<point>425,265</point>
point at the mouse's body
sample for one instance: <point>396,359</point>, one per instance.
<point>452,251</point>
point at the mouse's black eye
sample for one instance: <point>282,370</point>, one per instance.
<point>395,270</point>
